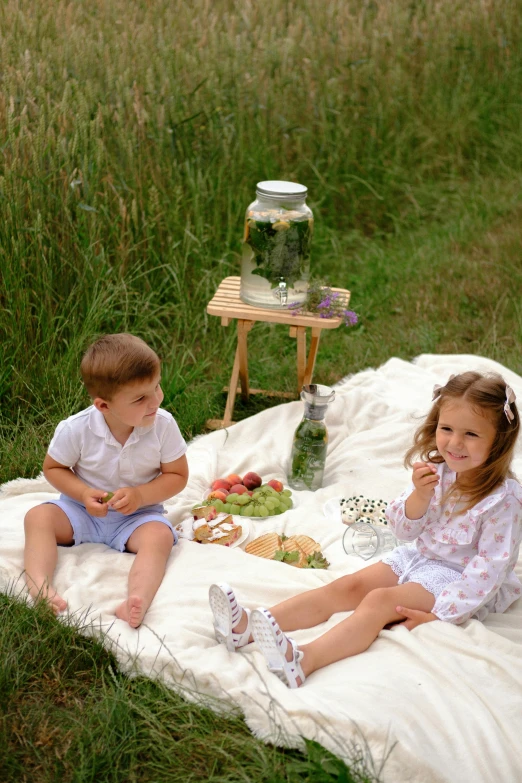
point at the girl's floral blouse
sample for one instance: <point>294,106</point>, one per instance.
<point>481,543</point>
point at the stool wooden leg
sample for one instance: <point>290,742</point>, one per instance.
<point>301,356</point>
<point>314,347</point>
<point>231,397</point>
<point>243,328</point>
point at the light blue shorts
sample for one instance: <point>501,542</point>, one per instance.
<point>115,529</point>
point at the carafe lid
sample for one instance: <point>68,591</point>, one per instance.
<point>279,190</point>
<point>317,395</point>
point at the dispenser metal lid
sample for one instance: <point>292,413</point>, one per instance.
<point>281,190</point>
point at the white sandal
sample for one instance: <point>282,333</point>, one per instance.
<point>227,614</point>
<point>273,643</point>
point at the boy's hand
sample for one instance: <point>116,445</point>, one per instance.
<point>92,500</point>
<point>425,479</point>
<point>126,500</point>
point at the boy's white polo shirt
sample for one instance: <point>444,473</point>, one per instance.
<point>85,443</point>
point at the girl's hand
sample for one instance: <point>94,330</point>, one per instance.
<point>425,479</point>
<point>92,500</point>
<point>414,617</point>
<point>126,500</point>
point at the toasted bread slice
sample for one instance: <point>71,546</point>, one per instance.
<point>265,546</point>
<point>307,544</point>
<point>290,545</point>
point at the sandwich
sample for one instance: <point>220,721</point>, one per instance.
<point>299,551</point>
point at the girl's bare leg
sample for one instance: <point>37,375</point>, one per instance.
<point>343,595</point>
<point>356,633</point>
<point>313,607</point>
<point>46,526</point>
<point>152,542</point>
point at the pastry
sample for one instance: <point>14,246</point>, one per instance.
<point>356,508</point>
<point>206,526</point>
<point>223,531</point>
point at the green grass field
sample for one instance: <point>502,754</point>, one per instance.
<point>132,135</point>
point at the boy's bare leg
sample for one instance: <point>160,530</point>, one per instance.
<point>314,607</point>
<point>356,633</point>
<point>152,542</point>
<point>46,526</point>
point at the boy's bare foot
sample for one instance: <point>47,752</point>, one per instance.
<point>131,610</point>
<point>51,597</point>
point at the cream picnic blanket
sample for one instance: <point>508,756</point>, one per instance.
<point>442,703</point>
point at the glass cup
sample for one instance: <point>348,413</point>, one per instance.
<point>367,540</point>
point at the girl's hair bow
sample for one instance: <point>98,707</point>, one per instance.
<point>437,389</point>
<point>510,397</point>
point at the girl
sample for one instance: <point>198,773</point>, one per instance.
<point>464,512</point>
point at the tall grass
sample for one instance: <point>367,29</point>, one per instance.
<point>133,133</point>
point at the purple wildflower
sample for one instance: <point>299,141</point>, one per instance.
<point>350,318</point>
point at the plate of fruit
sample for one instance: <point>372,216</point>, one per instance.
<point>248,496</point>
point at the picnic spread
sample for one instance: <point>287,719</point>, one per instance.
<point>441,703</point>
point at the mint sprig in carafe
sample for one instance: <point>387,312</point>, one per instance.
<point>310,442</point>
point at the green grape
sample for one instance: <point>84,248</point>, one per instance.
<point>270,503</point>
<point>226,508</point>
<point>234,508</point>
<point>263,511</point>
<point>242,500</point>
<point>249,510</point>
<point>278,510</point>
<point>218,504</point>
<point>286,492</point>
<point>232,497</point>
<point>243,511</point>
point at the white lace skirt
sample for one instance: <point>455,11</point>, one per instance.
<point>411,566</point>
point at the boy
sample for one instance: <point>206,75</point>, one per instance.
<point>124,444</point>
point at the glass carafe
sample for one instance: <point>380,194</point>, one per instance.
<point>275,264</point>
<point>311,439</point>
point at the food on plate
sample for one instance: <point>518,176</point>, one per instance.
<point>361,509</point>
<point>238,489</point>
<point>219,494</point>
<point>221,483</point>
<point>299,550</point>
<point>264,546</point>
<point>206,526</point>
<point>207,511</point>
<point>252,480</point>
<point>262,500</point>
